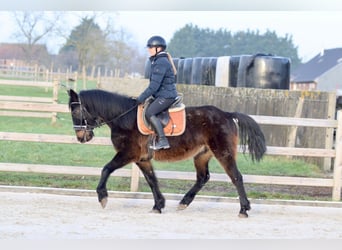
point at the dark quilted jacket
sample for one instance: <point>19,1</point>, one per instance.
<point>162,79</point>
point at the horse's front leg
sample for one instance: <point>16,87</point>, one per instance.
<point>117,162</point>
<point>101,189</point>
<point>159,200</point>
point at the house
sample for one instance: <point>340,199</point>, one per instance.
<point>14,54</point>
<point>323,72</point>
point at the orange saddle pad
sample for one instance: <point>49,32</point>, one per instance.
<point>175,126</point>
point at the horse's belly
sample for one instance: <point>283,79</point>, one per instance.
<point>177,153</point>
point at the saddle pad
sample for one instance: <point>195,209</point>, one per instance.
<point>175,126</point>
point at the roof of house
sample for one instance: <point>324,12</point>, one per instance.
<point>310,71</point>
<point>16,50</point>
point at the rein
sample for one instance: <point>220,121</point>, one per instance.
<point>115,118</point>
<point>98,124</point>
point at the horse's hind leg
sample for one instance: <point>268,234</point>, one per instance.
<point>159,200</point>
<point>229,165</point>
<point>237,180</point>
<point>202,176</point>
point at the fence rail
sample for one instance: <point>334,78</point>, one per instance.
<point>134,173</point>
<point>44,107</point>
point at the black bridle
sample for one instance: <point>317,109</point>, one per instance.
<point>84,114</point>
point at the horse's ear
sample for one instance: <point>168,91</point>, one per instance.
<point>73,95</point>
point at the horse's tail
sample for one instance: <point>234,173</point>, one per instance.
<point>250,135</point>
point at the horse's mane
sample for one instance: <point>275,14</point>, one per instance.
<point>109,105</point>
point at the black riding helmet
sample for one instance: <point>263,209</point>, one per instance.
<point>156,41</point>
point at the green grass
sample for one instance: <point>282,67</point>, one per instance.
<point>98,156</point>
<point>25,91</point>
<point>42,91</point>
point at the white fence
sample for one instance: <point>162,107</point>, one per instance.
<point>32,106</point>
<point>336,153</point>
<point>47,107</point>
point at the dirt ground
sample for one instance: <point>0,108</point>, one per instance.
<point>26,215</point>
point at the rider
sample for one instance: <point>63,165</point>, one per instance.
<point>162,87</point>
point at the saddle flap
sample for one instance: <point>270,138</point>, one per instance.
<point>175,125</point>
<point>164,116</point>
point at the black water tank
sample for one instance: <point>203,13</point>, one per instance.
<point>264,71</point>
<point>208,71</point>
<point>234,62</point>
<point>176,62</point>
<point>212,70</point>
<point>187,68</point>
<point>196,74</point>
<point>204,71</point>
<point>180,71</point>
<point>244,68</point>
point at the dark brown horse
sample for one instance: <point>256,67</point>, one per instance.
<point>210,132</point>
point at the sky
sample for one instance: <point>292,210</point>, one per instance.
<point>311,31</point>
<point>312,27</point>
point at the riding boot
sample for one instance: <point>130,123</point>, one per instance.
<point>162,142</point>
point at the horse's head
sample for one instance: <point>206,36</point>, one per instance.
<point>82,120</point>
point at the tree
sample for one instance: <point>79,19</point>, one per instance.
<point>89,43</point>
<point>32,29</point>
<point>191,41</point>
<point>88,46</point>
<point>252,42</point>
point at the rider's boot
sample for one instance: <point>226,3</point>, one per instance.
<point>162,142</point>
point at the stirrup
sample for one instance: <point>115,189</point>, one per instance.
<point>156,145</point>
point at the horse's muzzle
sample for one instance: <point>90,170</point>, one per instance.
<point>84,136</point>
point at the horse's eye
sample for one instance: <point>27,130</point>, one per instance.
<point>75,112</point>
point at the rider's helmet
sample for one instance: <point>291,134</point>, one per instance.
<point>156,41</point>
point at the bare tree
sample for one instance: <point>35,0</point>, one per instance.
<point>96,43</point>
<point>33,28</point>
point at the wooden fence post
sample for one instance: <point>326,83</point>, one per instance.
<point>84,77</point>
<point>337,182</point>
<point>135,178</point>
<point>98,79</point>
<point>75,82</point>
<point>329,138</point>
<point>54,99</point>
<point>293,130</point>
<point>35,76</point>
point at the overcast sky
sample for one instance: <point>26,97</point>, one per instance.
<point>312,28</point>
<point>311,31</point>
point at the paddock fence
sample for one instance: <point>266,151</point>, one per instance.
<point>260,102</point>
<point>24,106</point>
<point>134,173</point>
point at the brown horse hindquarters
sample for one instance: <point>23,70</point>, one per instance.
<point>207,128</point>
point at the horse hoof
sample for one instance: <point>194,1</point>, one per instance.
<point>182,206</point>
<point>155,211</point>
<point>104,202</point>
<point>243,215</point>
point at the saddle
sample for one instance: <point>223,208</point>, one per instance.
<point>173,119</point>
